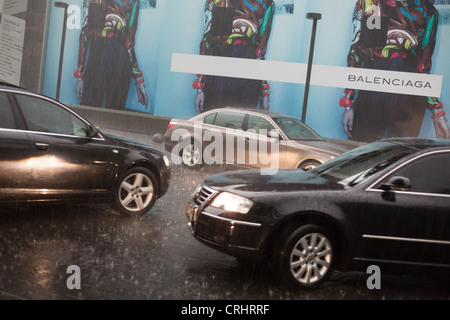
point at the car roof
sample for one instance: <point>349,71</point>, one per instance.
<point>6,84</point>
<point>13,88</point>
<point>419,143</point>
<point>9,86</point>
<point>252,111</point>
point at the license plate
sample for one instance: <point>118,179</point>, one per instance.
<point>191,212</point>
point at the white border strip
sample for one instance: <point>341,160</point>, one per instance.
<point>329,76</point>
<point>368,236</point>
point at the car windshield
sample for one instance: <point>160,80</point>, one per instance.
<point>297,130</point>
<point>357,165</point>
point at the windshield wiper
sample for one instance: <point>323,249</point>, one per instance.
<point>375,169</point>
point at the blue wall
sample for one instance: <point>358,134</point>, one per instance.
<point>175,26</point>
<point>441,66</point>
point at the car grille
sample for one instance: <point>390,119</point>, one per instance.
<point>202,195</point>
<point>203,232</point>
<point>214,231</point>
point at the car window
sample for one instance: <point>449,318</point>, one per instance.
<point>297,130</point>
<point>209,119</point>
<point>359,164</point>
<point>430,174</point>
<point>259,124</point>
<point>44,116</point>
<point>232,120</point>
<point>7,118</point>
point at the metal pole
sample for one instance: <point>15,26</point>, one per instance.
<point>315,17</point>
<point>63,40</point>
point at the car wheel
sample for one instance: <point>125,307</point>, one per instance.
<point>308,165</point>
<point>136,192</point>
<point>307,257</point>
<point>191,155</point>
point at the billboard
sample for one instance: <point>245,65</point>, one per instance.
<point>380,67</point>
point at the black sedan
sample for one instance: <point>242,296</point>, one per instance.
<point>385,204</point>
<point>49,153</point>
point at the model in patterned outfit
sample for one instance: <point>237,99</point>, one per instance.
<point>107,60</point>
<point>234,28</point>
<point>402,39</point>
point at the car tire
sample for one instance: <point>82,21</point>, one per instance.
<point>191,155</point>
<point>136,192</point>
<point>308,165</point>
<point>307,257</point>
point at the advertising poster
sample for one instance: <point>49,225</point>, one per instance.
<point>380,67</point>
<point>12,33</point>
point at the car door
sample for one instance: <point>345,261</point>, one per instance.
<point>15,153</point>
<point>70,157</point>
<point>228,123</point>
<point>411,224</point>
<point>261,149</point>
<point>212,147</point>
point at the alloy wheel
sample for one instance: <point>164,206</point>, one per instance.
<point>136,192</point>
<point>191,155</point>
<point>310,259</point>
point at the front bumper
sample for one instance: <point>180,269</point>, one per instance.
<point>225,231</point>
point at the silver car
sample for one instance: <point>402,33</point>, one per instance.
<point>250,138</point>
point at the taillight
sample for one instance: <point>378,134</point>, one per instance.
<point>172,123</point>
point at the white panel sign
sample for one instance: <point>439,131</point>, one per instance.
<point>11,48</point>
<point>328,76</point>
<point>13,7</point>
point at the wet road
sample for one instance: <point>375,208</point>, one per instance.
<point>152,257</point>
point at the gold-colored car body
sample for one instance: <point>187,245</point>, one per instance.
<point>242,142</point>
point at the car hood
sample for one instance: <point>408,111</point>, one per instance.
<point>122,142</point>
<point>321,146</point>
<point>252,181</point>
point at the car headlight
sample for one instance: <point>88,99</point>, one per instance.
<point>231,202</point>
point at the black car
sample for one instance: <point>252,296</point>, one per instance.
<point>49,153</point>
<point>385,204</point>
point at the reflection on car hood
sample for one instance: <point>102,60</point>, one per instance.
<point>245,181</point>
<point>321,146</point>
<point>118,141</point>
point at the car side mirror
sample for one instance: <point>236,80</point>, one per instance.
<point>158,138</point>
<point>91,132</point>
<point>396,183</point>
